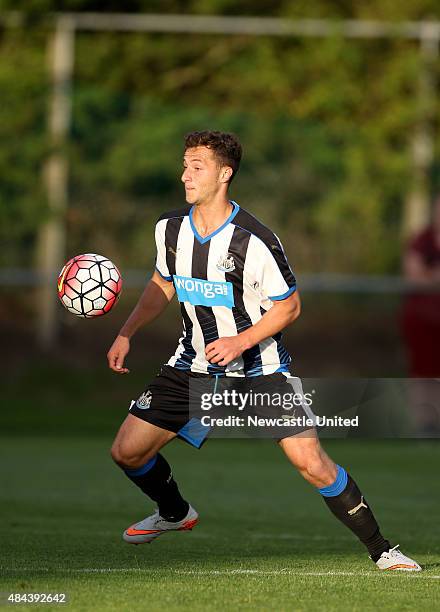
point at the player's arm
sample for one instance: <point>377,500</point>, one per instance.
<point>278,317</point>
<point>155,298</point>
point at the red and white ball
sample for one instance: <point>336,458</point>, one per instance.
<point>89,285</point>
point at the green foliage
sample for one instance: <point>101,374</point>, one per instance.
<point>23,141</point>
<point>325,124</point>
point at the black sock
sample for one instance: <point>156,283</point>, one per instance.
<point>348,504</point>
<point>155,479</point>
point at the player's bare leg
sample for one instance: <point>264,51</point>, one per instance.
<point>310,459</point>
<point>136,450</point>
<point>343,498</point>
<point>137,441</point>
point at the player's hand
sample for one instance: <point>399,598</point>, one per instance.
<point>117,353</point>
<point>225,350</point>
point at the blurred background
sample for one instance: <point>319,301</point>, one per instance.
<point>336,104</point>
<point>337,109</point>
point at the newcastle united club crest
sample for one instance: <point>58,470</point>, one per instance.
<point>226,264</point>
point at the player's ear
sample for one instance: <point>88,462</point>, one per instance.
<point>226,174</point>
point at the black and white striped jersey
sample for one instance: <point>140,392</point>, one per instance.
<point>225,282</point>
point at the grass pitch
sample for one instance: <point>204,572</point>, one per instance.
<point>265,540</point>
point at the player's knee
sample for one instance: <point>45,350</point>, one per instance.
<point>127,458</point>
<point>115,454</point>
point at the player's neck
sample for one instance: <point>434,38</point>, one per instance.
<point>210,215</point>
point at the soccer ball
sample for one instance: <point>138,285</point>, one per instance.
<point>89,285</point>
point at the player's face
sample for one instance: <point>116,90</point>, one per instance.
<point>202,176</point>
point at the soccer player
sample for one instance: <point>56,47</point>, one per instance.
<point>237,293</point>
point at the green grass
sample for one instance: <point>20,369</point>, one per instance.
<point>265,541</point>
<point>49,398</point>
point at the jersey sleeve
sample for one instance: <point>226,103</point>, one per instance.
<point>161,260</point>
<point>276,280</point>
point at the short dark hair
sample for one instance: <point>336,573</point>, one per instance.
<point>225,146</point>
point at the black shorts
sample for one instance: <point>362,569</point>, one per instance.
<point>172,402</point>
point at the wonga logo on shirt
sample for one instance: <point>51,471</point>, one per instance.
<point>204,293</point>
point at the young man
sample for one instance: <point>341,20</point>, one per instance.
<point>214,242</point>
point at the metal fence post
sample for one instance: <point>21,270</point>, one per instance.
<point>51,235</point>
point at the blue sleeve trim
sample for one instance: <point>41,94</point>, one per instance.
<point>167,278</point>
<point>277,298</point>
<point>338,486</point>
